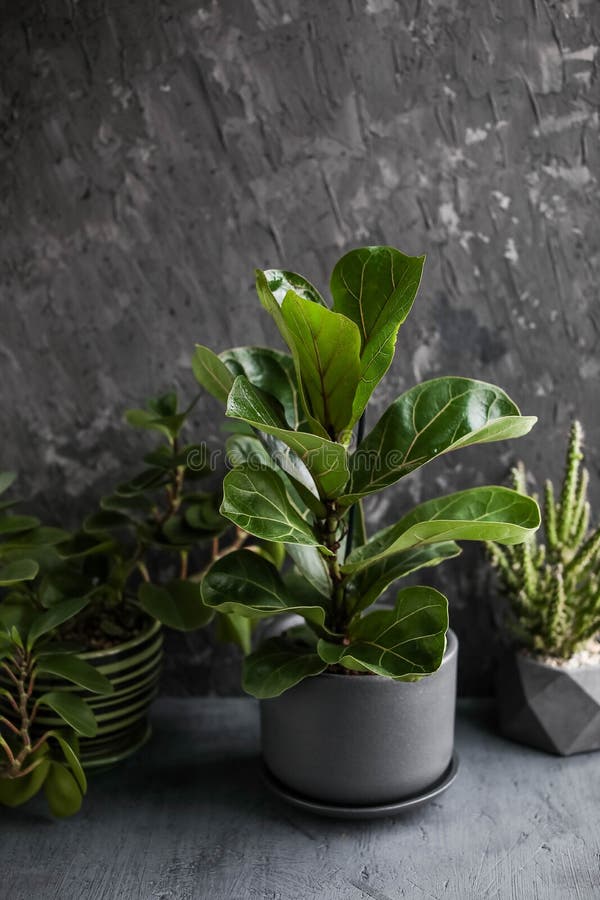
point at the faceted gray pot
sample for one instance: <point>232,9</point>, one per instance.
<point>362,739</point>
<point>549,708</point>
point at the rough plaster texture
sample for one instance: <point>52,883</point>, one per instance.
<point>153,154</point>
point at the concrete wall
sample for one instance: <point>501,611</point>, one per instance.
<point>153,154</point>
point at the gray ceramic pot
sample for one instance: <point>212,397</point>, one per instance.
<point>362,739</point>
<point>552,709</point>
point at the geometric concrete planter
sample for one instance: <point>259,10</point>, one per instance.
<point>549,708</point>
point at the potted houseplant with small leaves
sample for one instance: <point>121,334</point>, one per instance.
<point>548,685</point>
<point>357,704</point>
<point>138,563</point>
<point>34,756</point>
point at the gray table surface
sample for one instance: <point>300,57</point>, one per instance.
<point>189,818</point>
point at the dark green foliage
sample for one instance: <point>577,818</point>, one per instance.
<point>296,481</point>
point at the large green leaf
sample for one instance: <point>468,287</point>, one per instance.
<point>212,373</point>
<point>73,710</point>
<point>62,791</point>
<point>16,791</point>
<point>69,746</point>
<point>326,350</point>
<point>327,461</point>
<point>478,514</point>
<point>278,665</point>
<point>257,501</point>
<point>428,420</point>
<point>19,570</point>
<point>373,581</point>
<point>249,450</point>
<point>406,641</point>
<point>325,347</point>
<point>311,564</point>
<point>70,667</point>
<point>375,288</point>
<point>178,604</point>
<point>245,583</point>
<point>271,371</point>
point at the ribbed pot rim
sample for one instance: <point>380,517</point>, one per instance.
<point>153,628</point>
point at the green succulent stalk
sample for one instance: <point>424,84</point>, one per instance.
<point>552,581</point>
<point>297,480</point>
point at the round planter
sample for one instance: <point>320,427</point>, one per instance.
<point>362,740</point>
<point>551,708</point>
<point>134,668</point>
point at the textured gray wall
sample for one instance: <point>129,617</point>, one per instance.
<point>154,153</point>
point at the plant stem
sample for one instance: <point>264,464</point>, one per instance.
<point>240,539</point>
<point>329,535</point>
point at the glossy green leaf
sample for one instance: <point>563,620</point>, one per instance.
<point>375,287</point>
<point>326,460</point>
<point>44,536</point>
<point>211,373</point>
<point>326,350</point>
<point>325,347</point>
<point>257,501</point>
<point>371,582</point>
<point>63,794</point>
<point>19,570</point>
<point>270,371</point>
<point>311,564</point>
<point>178,604</point>
<point>69,747</point>
<point>428,420</point>
<point>70,667</point>
<point>245,449</point>
<point>17,791</point>
<point>75,711</point>
<point>278,665</point>
<point>245,583</point>
<point>249,450</point>
<point>12,524</point>
<point>478,514</point>
<point>54,617</point>
<point>406,641</point>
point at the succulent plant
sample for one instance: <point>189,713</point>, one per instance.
<point>552,579</point>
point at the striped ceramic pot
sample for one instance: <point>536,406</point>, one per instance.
<point>134,668</point>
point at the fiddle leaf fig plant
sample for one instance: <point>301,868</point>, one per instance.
<point>296,478</point>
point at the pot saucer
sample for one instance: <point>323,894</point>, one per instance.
<point>376,811</point>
